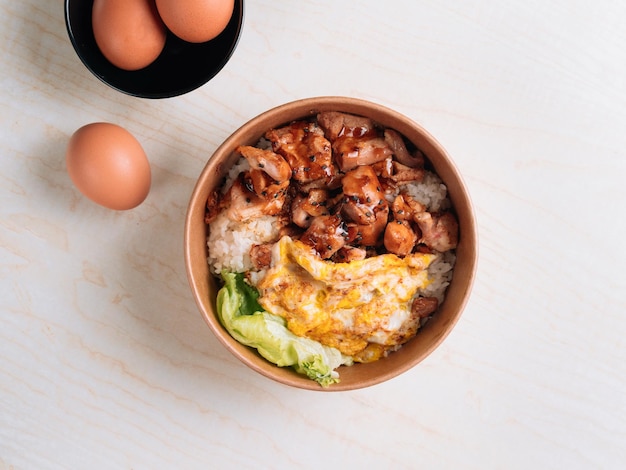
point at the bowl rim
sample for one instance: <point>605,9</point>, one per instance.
<point>310,106</point>
<point>237,21</point>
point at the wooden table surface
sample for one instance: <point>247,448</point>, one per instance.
<point>105,361</point>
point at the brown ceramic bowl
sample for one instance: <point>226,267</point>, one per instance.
<point>204,286</point>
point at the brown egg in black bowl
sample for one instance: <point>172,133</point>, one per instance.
<point>129,45</point>
<point>330,243</point>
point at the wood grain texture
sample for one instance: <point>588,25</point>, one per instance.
<point>105,361</point>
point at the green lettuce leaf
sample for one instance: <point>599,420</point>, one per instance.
<point>247,322</point>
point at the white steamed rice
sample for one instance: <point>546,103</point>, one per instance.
<point>431,192</point>
<point>229,242</point>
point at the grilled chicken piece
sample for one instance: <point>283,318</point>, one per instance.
<point>369,235</point>
<point>363,196</point>
<point>326,234</point>
<point>365,205</point>
<point>242,203</point>
<point>315,202</point>
<point>355,140</point>
<point>261,255</point>
<point>308,152</point>
<point>405,174</point>
<point>306,206</point>
<point>404,207</point>
<point>440,232</point>
<point>267,161</point>
<point>397,145</point>
<point>422,307</point>
<point>384,168</point>
<point>399,238</point>
<point>265,186</point>
<point>336,124</point>
<point>401,209</point>
<point>351,152</point>
<point>299,215</point>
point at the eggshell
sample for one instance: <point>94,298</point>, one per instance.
<point>108,165</point>
<point>196,20</point>
<point>129,33</point>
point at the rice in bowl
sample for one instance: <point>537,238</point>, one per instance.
<point>232,241</point>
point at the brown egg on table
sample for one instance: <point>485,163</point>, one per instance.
<point>129,33</point>
<point>108,165</point>
<point>196,20</point>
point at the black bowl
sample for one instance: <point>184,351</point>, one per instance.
<point>181,67</point>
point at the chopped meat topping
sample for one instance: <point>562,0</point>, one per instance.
<point>243,203</point>
<point>326,234</point>
<point>424,306</point>
<point>336,124</point>
<point>398,147</point>
<point>261,255</point>
<point>337,183</point>
<point>439,231</point>
<point>266,161</point>
<point>307,151</point>
<point>399,238</point>
<point>363,197</point>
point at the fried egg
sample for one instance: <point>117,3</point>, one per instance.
<point>362,308</point>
